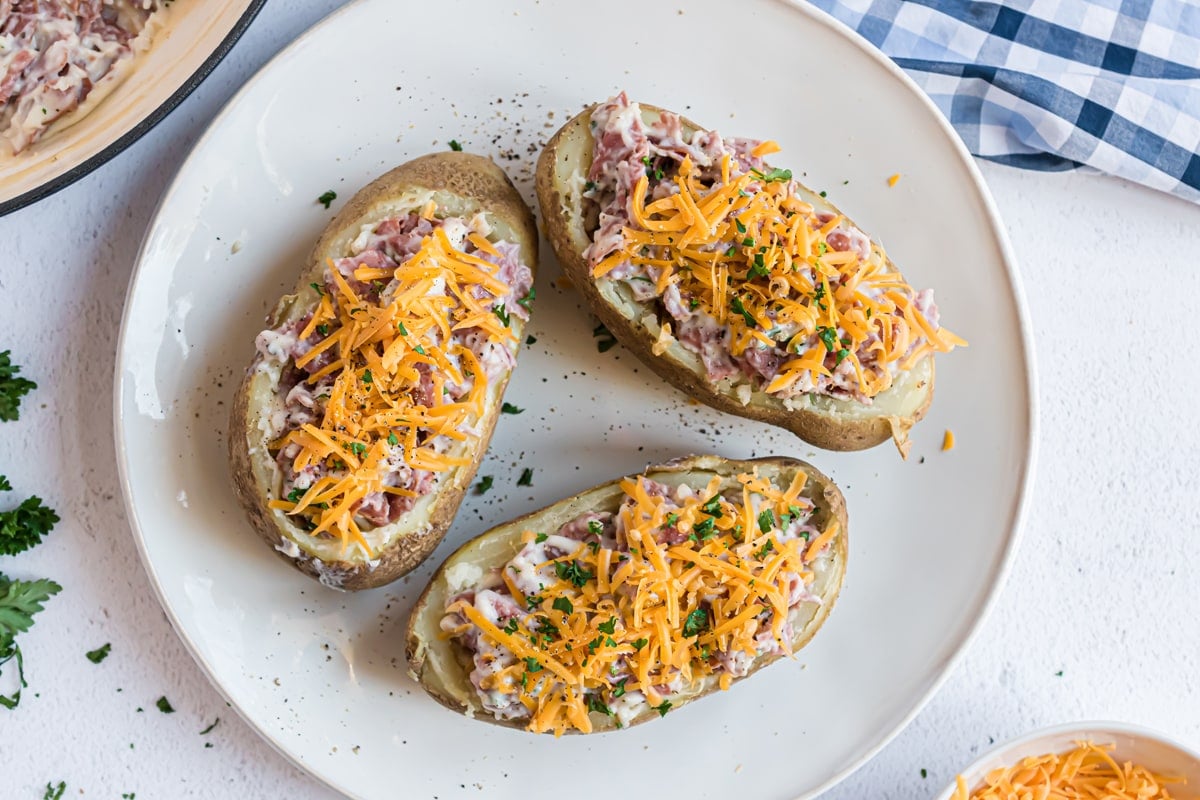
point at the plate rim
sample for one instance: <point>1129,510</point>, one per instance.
<point>143,126</point>
<point>1024,331</point>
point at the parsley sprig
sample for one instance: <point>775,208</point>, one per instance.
<point>24,526</point>
<point>12,389</point>
<point>19,602</point>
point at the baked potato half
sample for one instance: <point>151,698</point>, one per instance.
<point>377,383</point>
<point>633,598</point>
<point>733,281</point>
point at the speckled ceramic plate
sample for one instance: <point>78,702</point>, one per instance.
<point>321,675</point>
<point>194,37</point>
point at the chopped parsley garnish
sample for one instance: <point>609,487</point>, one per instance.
<point>774,175</point>
<point>571,572</point>
<point>766,520</point>
<point>759,269</point>
<point>618,688</point>
<point>696,623</point>
<point>766,548</point>
<point>823,193</point>
<point>712,507</point>
<point>595,527</point>
<point>530,339</point>
<point>594,643</point>
<point>317,288</point>
<point>500,311</point>
<point>99,654</point>
<point>562,604</point>
<point>663,708</point>
<point>822,248</point>
<point>400,327</point>
<point>738,308</point>
<point>24,526</point>
<point>327,197</point>
<point>368,378</point>
<point>740,227</point>
<point>924,773</point>
<point>672,519</point>
<point>704,528</point>
<point>392,440</point>
<point>605,337</point>
<point>509,408</point>
<point>455,146</point>
<point>528,299</point>
<point>748,242</point>
<point>587,187</point>
<point>19,602</point>
<point>693,304</point>
<point>609,627</point>
<point>55,792</point>
<point>541,537</point>
<point>419,350</point>
<point>484,484</point>
<point>638,644</point>
<point>841,355</point>
<point>532,664</point>
<point>323,329</point>
<point>533,601</point>
<point>164,705</point>
<point>358,448</point>
<point>526,478</point>
<point>5,486</point>
<point>511,626</point>
<point>596,704</point>
<point>828,337</point>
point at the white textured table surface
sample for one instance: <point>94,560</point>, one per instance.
<point>1100,618</point>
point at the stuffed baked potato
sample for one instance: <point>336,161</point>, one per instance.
<point>632,598</point>
<point>733,281</point>
<point>373,392</point>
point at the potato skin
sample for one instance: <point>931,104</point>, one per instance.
<point>834,425</point>
<point>479,185</point>
<point>431,656</point>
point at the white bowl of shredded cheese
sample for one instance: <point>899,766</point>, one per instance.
<point>1104,760</point>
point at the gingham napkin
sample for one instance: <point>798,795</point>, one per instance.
<point>1055,84</point>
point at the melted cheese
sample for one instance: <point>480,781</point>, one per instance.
<point>1086,773</point>
<point>748,245</point>
<point>373,420</point>
<point>658,613</point>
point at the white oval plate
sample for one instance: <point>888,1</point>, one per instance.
<point>194,38</point>
<point>321,675</point>
<point>1142,746</point>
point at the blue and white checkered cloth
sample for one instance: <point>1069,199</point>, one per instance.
<point>1055,84</point>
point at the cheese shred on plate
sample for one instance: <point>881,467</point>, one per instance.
<point>763,284</point>
<point>683,586</point>
<point>391,371</point>
<point>1086,773</point>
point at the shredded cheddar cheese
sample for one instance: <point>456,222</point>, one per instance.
<point>1086,773</point>
<point>948,440</point>
<point>743,247</point>
<point>374,419</point>
<point>698,576</point>
<point>892,181</point>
